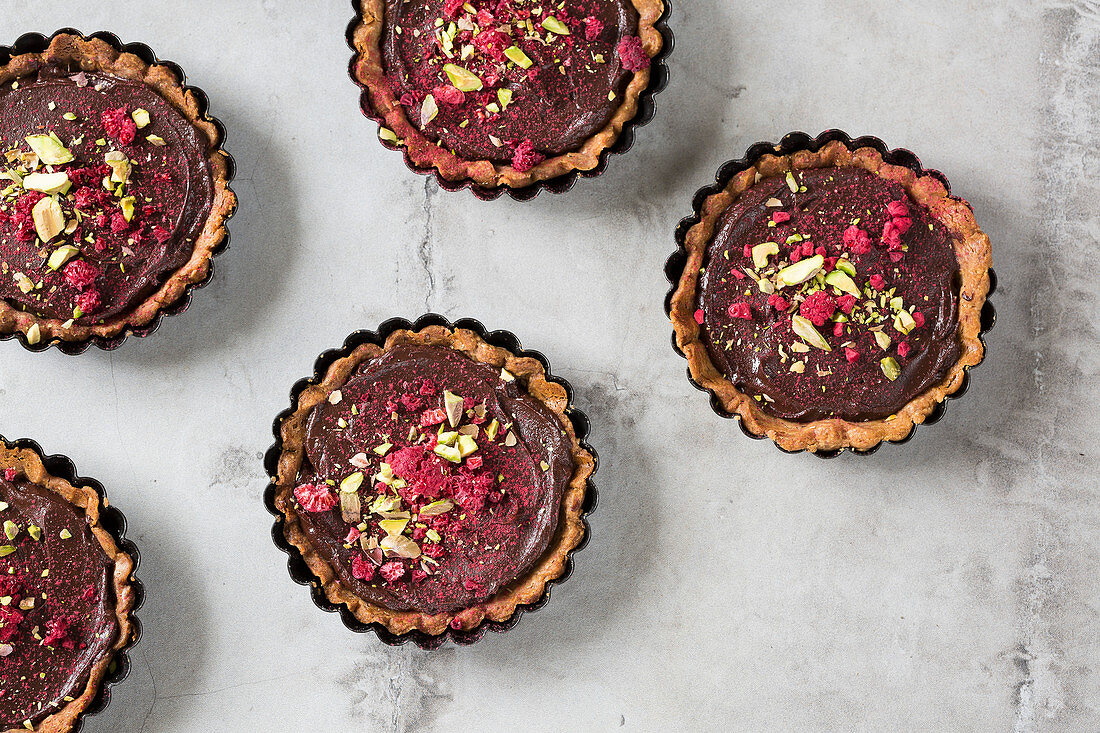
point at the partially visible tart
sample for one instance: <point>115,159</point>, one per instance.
<point>66,594</point>
<point>113,192</point>
<point>433,482</point>
<point>830,299</point>
<point>505,92</point>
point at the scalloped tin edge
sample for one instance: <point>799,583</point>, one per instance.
<point>296,565</point>
<point>793,142</point>
<point>647,108</point>
<point>36,42</point>
<point>114,521</point>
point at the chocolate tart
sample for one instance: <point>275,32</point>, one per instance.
<point>491,96</point>
<point>115,191</point>
<point>431,481</point>
<point>67,593</point>
<point>830,293</point>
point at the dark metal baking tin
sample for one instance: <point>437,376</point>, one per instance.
<point>113,521</point>
<point>795,141</point>
<point>36,43</point>
<point>301,573</point>
<point>658,80</point>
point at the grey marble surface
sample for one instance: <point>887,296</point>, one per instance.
<point>949,584</point>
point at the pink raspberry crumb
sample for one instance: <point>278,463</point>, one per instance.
<point>897,209</point>
<point>526,157</point>
<point>593,26</point>
<point>877,282</point>
<point>903,349</point>
<point>392,571</point>
<point>818,308</point>
<point>315,497</point>
<point>361,567</point>
<point>632,53</point>
<point>851,354</point>
<point>80,274</point>
<point>119,125</point>
<point>699,316</point>
<point>89,302</point>
<point>741,310</point>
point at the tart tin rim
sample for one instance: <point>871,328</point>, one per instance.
<point>793,142</point>
<point>36,43</point>
<point>114,522</point>
<point>296,565</point>
<point>647,108</point>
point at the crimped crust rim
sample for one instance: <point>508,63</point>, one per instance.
<point>973,251</point>
<point>524,590</point>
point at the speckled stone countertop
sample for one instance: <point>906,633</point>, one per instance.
<point>948,584</point>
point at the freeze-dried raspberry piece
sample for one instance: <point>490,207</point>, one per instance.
<point>9,622</point>
<point>699,316</point>
<point>80,274</point>
<point>474,587</point>
<point>891,237</point>
<point>903,224</point>
<point>431,549</point>
<point>741,310</point>
<point>818,308</point>
<point>353,535</point>
<point>410,402</point>
<point>493,43</point>
<point>57,632</point>
<point>448,94</point>
<point>119,223</point>
<point>418,574</point>
<point>89,302</point>
<point>451,7</point>
<point>780,216</point>
<point>10,474</point>
<point>593,27</point>
<point>428,388</point>
<point>903,349</point>
<point>857,241</point>
<point>846,303</point>
<point>632,54</point>
<point>851,354</point>
<point>89,593</point>
<point>470,489</point>
<point>315,497</point>
<point>432,417</point>
<point>392,571</point>
<point>361,567</point>
<point>897,209</point>
<point>119,125</point>
<point>877,282</point>
<point>422,471</point>
<point>918,317</point>
<point>526,157</point>
<point>777,301</point>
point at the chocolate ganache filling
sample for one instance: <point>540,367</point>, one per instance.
<point>108,187</point>
<point>431,480</point>
<point>830,294</point>
<point>57,602</point>
<point>511,80</point>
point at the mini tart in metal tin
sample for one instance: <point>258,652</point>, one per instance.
<point>792,308</point>
<point>433,482</point>
<point>67,593</point>
<point>502,96</point>
<point>116,194</point>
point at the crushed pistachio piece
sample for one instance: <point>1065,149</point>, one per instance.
<point>463,79</point>
<point>761,252</point>
<point>61,255</point>
<point>518,57</point>
<point>49,149</point>
<point>806,330</point>
<point>49,220</point>
<point>890,368</point>
<point>352,482</point>
<point>554,25</point>
<point>49,183</point>
<point>141,117</point>
<point>452,403</point>
<point>800,271</point>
